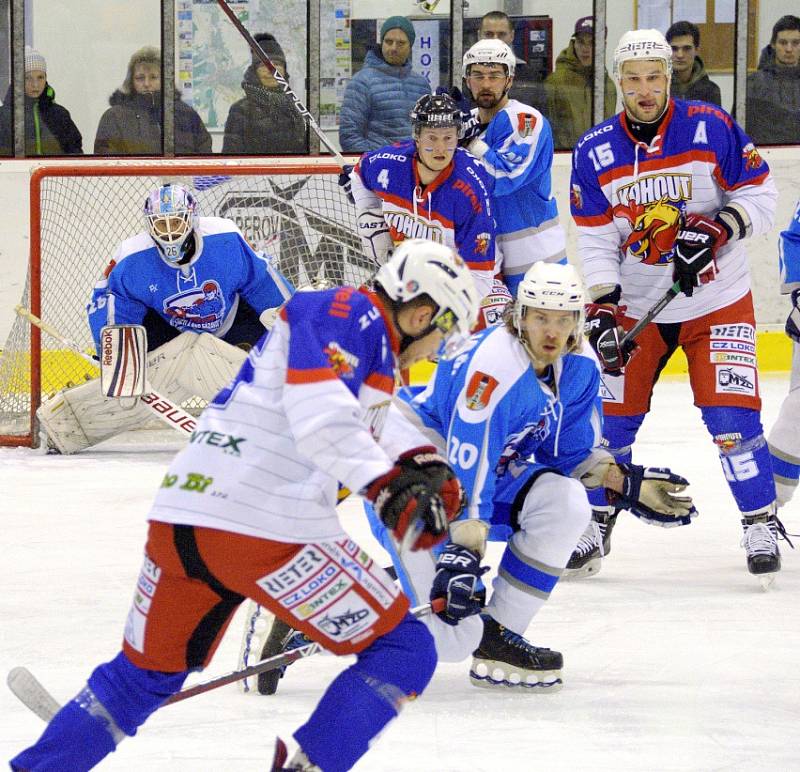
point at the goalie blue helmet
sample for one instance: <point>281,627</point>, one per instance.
<point>169,212</point>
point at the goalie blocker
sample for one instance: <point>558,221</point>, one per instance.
<point>123,361</point>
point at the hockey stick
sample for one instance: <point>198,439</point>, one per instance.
<point>287,89</point>
<point>34,696</point>
<point>658,307</point>
<point>171,414</point>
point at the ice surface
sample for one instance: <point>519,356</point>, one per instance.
<point>675,659</point>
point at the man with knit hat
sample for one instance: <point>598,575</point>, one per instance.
<point>49,129</point>
<point>265,121</point>
<point>378,100</point>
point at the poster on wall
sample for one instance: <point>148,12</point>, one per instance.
<point>425,53</point>
<point>336,61</point>
<point>212,56</point>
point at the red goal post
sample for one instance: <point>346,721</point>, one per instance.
<point>292,211</point>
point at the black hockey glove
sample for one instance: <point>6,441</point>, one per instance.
<point>649,493</point>
<point>345,183</point>
<point>457,580</point>
<point>696,247</point>
<point>793,320</point>
<point>470,124</point>
<point>417,498</point>
<point>602,329</point>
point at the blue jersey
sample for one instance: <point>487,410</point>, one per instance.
<point>519,159</point>
<point>455,209</point>
<point>500,423</point>
<point>789,254</point>
<point>202,296</point>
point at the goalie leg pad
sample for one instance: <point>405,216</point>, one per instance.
<point>209,365</point>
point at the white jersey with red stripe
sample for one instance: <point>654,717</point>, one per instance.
<point>304,414</point>
<point>628,198</point>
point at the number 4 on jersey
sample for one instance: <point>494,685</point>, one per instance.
<point>383,179</point>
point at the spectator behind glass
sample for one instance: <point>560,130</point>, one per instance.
<point>132,125</point>
<point>570,88</point>
<point>265,121</point>
<point>773,91</point>
<point>49,129</point>
<point>377,102</point>
<point>528,87</point>
<point>689,77</point>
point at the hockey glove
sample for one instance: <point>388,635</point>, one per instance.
<point>407,498</point>
<point>603,330</point>
<point>345,183</point>
<point>793,321</point>
<point>470,125</point>
<point>649,493</point>
<point>696,247</point>
<point>457,580</point>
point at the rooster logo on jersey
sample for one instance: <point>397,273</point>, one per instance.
<point>655,228</point>
<point>752,158</point>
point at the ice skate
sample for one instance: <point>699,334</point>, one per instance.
<point>298,763</point>
<point>593,546</point>
<point>281,638</point>
<point>760,540</point>
<point>505,659</point>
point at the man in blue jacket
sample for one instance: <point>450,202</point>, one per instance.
<point>378,100</point>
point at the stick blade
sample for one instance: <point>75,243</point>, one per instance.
<point>30,692</point>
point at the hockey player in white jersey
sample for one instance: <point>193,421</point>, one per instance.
<point>666,192</point>
<point>517,412</point>
<point>248,509</point>
<point>515,144</point>
<point>202,295</point>
<point>784,438</point>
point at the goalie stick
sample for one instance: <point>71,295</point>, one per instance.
<point>171,414</point>
<point>282,82</point>
<point>34,696</point>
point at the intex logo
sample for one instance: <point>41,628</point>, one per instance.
<point>108,347</point>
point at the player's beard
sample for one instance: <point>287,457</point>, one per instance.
<point>488,101</point>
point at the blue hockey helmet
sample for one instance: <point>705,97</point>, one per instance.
<point>169,211</point>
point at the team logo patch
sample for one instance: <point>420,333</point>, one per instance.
<point>576,196</point>
<point>654,229</point>
<point>736,380</point>
<point>526,122</point>
<point>342,361</point>
<point>479,390</point>
<point>199,308</point>
<point>752,158</point>
<point>728,442</point>
<point>482,243</point>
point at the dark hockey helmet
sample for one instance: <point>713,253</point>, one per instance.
<point>435,111</point>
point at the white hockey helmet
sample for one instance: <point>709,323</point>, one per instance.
<point>169,211</point>
<point>551,287</point>
<point>642,44</point>
<point>420,267</point>
<point>490,51</point>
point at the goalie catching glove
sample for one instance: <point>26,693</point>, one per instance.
<point>417,497</point>
<point>602,329</point>
<point>649,493</point>
<point>695,258</point>
<point>457,580</point>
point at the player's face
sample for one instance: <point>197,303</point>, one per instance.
<point>170,228</point>
<point>146,78</point>
<point>496,29</point>
<point>395,47</point>
<point>547,333</point>
<point>34,83</point>
<point>644,89</point>
<point>787,47</point>
<point>436,147</point>
<point>683,55</point>
<point>266,78</point>
<point>584,48</point>
<point>488,84</point>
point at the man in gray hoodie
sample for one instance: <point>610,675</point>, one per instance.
<point>689,77</point>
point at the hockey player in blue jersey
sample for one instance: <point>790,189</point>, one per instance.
<point>784,438</point>
<point>515,144</point>
<point>668,191</point>
<point>517,412</point>
<point>255,516</point>
<point>427,188</point>
<point>201,293</point>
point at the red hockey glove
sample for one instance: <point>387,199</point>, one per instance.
<point>420,492</point>
<point>603,331</point>
<point>695,258</point>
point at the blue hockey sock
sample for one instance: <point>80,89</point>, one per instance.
<point>363,699</point>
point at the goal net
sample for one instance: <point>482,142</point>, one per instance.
<point>295,214</point>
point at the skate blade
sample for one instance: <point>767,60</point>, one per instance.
<point>767,581</point>
<point>590,569</point>
<point>534,681</point>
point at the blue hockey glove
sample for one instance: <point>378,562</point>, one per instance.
<point>457,580</point>
<point>344,182</point>
<point>649,493</point>
<point>793,321</point>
